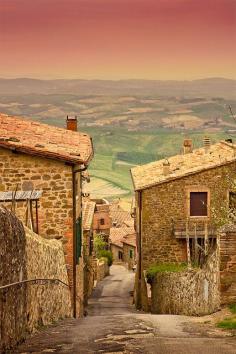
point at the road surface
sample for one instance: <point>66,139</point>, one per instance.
<point>113,326</point>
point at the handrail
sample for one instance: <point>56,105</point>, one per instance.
<point>34,281</point>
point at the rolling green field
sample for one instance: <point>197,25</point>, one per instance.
<point>117,150</point>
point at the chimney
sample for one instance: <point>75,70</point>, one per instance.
<point>166,167</point>
<point>206,143</point>
<point>187,146</point>
<point>71,123</point>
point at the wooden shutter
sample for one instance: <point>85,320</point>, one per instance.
<point>198,203</point>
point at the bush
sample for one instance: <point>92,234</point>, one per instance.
<point>164,267</point>
<point>108,255</point>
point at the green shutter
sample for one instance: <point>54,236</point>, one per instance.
<point>78,238</point>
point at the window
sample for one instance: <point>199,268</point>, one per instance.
<point>198,203</point>
<point>120,255</point>
<point>102,222</point>
<point>232,200</point>
<point>130,253</point>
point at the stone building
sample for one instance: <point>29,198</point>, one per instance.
<point>102,219</point>
<point>228,264</point>
<point>89,256</point>
<point>117,235</point>
<point>129,251</point>
<point>35,156</point>
<point>180,203</point>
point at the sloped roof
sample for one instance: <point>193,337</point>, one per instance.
<point>44,140</point>
<point>118,233</point>
<point>120,216</point>
<point>87,214</point>
<point>152,174</point>
<point>130,240</point>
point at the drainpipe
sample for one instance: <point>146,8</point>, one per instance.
<point>139,249</point>
<point>74,187</point>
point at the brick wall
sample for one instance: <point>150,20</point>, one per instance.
<point>228,266</point>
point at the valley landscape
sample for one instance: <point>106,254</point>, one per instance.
<point>131,121</point>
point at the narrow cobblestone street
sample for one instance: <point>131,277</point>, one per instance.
<point>114,326</point>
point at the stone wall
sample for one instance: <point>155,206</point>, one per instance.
<point>171,201</point>
<point>54,178</point>
<point>192,292</point>
<point>115,249</point>
<point>129,261</point>
<point>25,255</point>
<point>102,269</point>
<point>228,265</point>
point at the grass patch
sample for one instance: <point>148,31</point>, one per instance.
<point>164,268</point>
<point>232,308</point>
<point>228,323</point>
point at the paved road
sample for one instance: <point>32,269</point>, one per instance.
<point>113,326</point>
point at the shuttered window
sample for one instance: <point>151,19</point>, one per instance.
<point>198,203</point>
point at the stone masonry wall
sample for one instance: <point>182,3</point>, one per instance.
<point>130,262</point>
<point>23,256</point>
<point>193,292</point>
<point>54,178</point>
<point>228,266</point>
<point>169,202</point>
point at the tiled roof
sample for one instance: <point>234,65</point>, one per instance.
<point>87,214</point>
<point>152,174</point>
<point>44,140</point>
<point>118,233</point>
<point>120,216</point>
<point>130,240</point>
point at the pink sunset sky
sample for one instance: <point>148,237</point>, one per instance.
<point>118,39</point>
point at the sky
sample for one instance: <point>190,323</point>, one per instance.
<point>118,39</point>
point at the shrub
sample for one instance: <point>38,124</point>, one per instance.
<point>108,255</point>
<point>163,268</point>
<point>232,308</point>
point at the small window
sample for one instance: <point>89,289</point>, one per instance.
<point>232,200</point>
<point>120,255</point>
<point>130,253</point>
<point>198,203</point>
<point>102,222</point>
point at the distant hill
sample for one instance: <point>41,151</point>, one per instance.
<point>211,87</point>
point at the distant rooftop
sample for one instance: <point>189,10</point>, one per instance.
<point>117,234</point>
<point>44,140</point>
<point>151,174</point>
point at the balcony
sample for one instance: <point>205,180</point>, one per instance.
<point>193,229</point>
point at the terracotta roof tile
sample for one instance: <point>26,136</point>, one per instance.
<point>120,216</point>
<point>87,214</point>
<point>130,240</point>
<point>118,233</point>
<point>152,174</point>
<point>44,140</point>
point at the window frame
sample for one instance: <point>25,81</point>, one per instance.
<point>197,189</point>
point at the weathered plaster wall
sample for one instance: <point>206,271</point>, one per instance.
<point>169,202</point>
<point>193,292</point>
<point>228,265</point>
<point>115,252</point>
<point>25,255</point>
